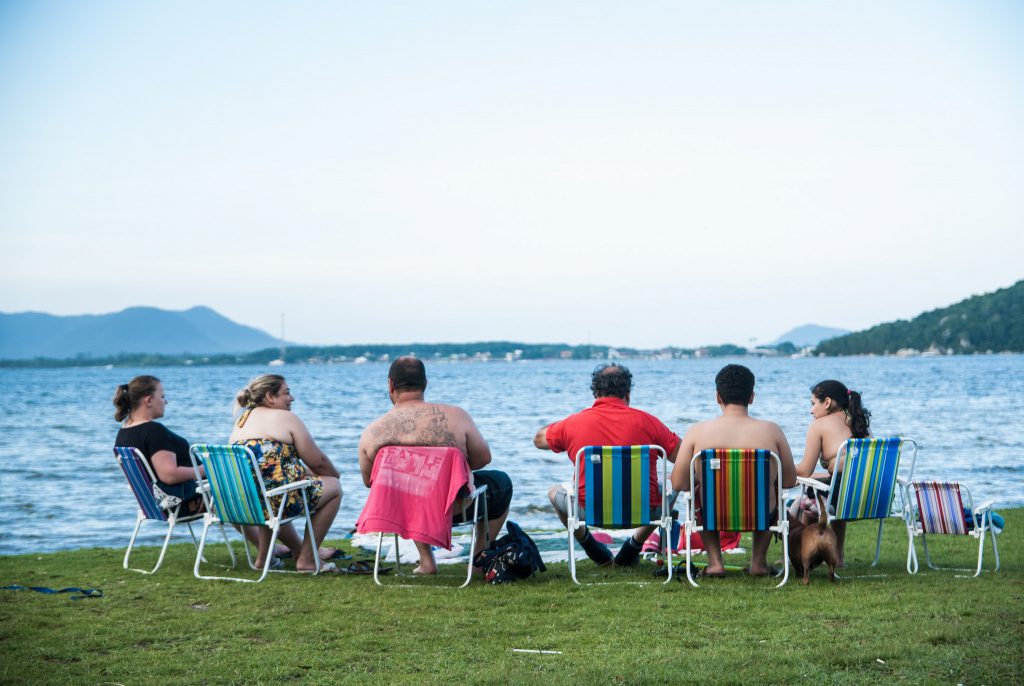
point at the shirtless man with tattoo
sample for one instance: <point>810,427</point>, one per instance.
<point>413,421</point>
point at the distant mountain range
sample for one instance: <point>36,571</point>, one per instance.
<point>808,335</point>
<point>990,322</point>
<point>199,330</point>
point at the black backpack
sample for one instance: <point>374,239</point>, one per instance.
<point>511,557</point>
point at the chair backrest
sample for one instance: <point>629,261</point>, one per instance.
<point>616,484</point>
<point>736,488</point>
<point>413,492</point>
<point>236,492</point>
<point>140,477</point>
<point>867,484</point>
<point>940,507</point>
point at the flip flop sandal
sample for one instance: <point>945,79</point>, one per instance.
<point>361,567</point>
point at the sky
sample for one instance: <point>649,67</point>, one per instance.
<point>635,174</point>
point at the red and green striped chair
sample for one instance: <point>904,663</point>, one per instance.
<point>735,490</point>
<point>941,509</point>
<point>617,492</point>
<point>865,483</point>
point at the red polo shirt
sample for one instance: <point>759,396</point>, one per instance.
<point>610,421</point>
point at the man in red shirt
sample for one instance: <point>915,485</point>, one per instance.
<point>610,421</point>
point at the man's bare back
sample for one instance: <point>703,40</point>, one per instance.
<point>426,424</point>
<point>733,429</point>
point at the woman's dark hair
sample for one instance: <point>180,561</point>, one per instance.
<point>128,395</point>
<point>611,380</point>
<point>256,392</point>
<point>848,401</point>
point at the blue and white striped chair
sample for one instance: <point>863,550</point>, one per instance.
<point>865,483</point>
<point>153,505</point>
<point>234,493</point>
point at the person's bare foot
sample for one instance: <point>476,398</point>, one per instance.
<point>327,554</point>
<point>421,569</point>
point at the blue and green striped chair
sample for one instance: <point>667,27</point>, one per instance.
<point>866,482</point>
<point>736,492</point>
<point>235,494</point>
<point>617,493</point>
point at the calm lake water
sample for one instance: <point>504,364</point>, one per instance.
<point>61,488</point>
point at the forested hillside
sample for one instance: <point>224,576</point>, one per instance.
<point>991,322</point>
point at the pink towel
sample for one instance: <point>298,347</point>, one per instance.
<point>413,490</point>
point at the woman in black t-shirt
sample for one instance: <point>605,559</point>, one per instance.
<point>139,403</point>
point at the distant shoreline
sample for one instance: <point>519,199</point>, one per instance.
<point>295,357</point>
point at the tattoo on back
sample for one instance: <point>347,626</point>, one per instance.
<point>423,425</point>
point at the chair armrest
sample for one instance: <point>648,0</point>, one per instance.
<point>984,507</point>
<point>902,481</point>
<point>813,483</point>
<point>293,486</point>
<point>478,491</point>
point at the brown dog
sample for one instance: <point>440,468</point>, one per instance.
<point>812,544</point>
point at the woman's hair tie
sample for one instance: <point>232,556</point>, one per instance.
<point>250,405</point>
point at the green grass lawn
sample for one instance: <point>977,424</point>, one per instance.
<point>875,626</point>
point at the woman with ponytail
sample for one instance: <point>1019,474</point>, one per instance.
<point>838,415</point>
<point>138,404</point>
<point>286,452</point>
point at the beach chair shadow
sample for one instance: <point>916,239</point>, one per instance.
<point>416,488</point>
<point>736,491</point>
<point>235,494</point>
<point>617,494</point>
<point>865,484</point>
<point>941,510</point>
<point>154,505</point>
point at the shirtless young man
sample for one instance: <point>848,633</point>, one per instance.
<point>413,421</point>
<point>735,428</point>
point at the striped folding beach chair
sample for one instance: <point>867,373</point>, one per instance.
<point>154,505</point>
<point>866,482</point>
<point>617,492</point>
<point>234,493</point>
<point>424,476</point>
<point>941,510</point>
<point>736,491</point>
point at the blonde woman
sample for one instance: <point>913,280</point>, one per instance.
<point>286,452</point>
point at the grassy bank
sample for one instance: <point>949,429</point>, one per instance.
<point>876,626</point>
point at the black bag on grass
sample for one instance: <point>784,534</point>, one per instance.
<point>511,557</point>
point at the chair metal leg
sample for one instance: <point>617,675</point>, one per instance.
<point>572,551</point>
<point>666,539</point>
<point>981,549</point>
<point>878,544</point>
<point>927,555</point>
<point>911,548</point>
<point>376,559</point>
<point>784,526</point>
<point>995,548</point>
<point>127,553</point>
<point>472,539</point>
<point>689,554</point>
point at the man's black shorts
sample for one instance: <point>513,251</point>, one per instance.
<point>498,494</point>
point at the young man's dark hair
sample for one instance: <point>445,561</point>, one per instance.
<point>408,374</point>
<point>611,380</point>
<point>735,384</point>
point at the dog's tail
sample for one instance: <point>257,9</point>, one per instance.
<point>822,511</point>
